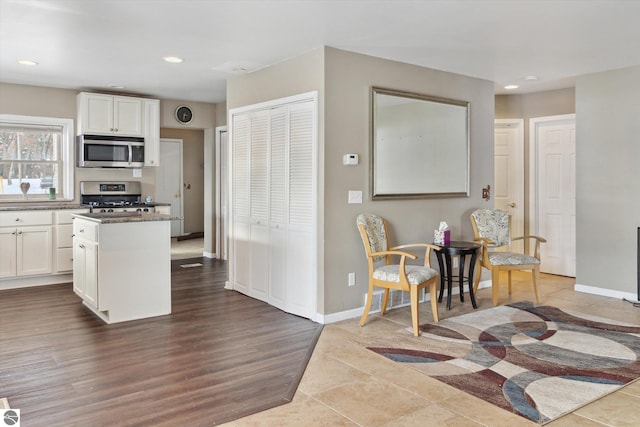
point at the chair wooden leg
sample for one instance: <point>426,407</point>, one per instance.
<point>415,317</point>
<point>367,306</point>
<point>433,292</point>
<point>535,278</point>
<point>385,301</point>
<point>509,278</point>
<point>495,285</point>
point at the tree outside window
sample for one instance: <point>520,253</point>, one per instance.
<point>32,150</point>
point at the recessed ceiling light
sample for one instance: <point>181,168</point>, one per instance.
<point>27,62</point>
<point>510,87</point>
<point>173,59</point>
<point>531,78</point>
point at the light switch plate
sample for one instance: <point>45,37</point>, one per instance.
<point>355,197</point>
<point>137,173</point>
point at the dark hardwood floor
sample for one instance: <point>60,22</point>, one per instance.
<point>219,356</point>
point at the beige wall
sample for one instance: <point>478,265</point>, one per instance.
<point>193,175</point>
<point>343,80</point>
<point>608,179</point>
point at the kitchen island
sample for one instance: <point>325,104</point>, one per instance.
<point>122,264</point>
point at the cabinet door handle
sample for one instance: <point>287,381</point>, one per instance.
<point>19,232</point>
<point>81,246</point>
<point>13,234</point>
<point>82,230</point>
<point>17,219</point>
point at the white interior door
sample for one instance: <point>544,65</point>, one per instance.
<point>508,193</point>
<point>554,204</point>
<point>169,181</point>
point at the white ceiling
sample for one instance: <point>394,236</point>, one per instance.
<point>91,44</point>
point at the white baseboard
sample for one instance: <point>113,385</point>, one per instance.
<point>209,254</point>
<point>26,282</point>
<point>337,317</point>
<point>604,292</point>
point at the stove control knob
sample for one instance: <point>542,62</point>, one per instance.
<point>109,210</point>
<point>103,210</point>
<point>138,210</point>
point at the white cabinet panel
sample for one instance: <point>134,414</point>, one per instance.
<point>8,265</point>
<point>64,259</point>
<point>33,250</point>
<point>128,114</point>
<point>151,132</point>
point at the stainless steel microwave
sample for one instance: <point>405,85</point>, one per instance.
<point>105,151</point>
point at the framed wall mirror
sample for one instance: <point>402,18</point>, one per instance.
<point>419,146</point>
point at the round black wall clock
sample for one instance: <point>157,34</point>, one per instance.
<point>184,114</point>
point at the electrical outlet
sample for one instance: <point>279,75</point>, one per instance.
<point>351,279</point>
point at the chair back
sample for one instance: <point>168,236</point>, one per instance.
<point>492,224</point>
<point>374,237</point>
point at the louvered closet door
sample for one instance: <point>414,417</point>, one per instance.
<point>300,245</point>
<point>274,193</point>
<point>278,205</point>
<point>240,203</point>
<point>259,203</point>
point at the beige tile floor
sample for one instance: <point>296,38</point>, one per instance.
<point>189,248</point>
<point>345,384</point>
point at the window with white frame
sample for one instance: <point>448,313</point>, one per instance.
<point>36,158</point>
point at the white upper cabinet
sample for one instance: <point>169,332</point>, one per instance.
<point>151,132</point>
<point>102,114</point>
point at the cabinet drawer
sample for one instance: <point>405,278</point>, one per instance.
<point>64,260</point>
<point>64,217</point>
<point>21,218</point>
<point>85,230</point>
<point>64,236</point>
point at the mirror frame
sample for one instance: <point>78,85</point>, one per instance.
<point>461,139</point>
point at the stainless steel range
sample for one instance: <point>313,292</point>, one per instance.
<point>120,196</point>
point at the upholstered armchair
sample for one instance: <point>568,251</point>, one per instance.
<point>491,229</point>
<point>387,275</point>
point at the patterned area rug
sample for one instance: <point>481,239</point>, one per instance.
<point>538,362</point>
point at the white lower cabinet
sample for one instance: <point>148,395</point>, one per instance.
<point>63,247</point>
<point>85,271</point>
<point>25,239</point>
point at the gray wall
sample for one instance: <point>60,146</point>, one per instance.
<point>344,81</point>
<point>608,179</point>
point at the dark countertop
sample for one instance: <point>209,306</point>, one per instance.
<point>122,217</point>
<point>46,207</point>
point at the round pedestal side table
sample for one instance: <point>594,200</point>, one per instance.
<point>444,254</point>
